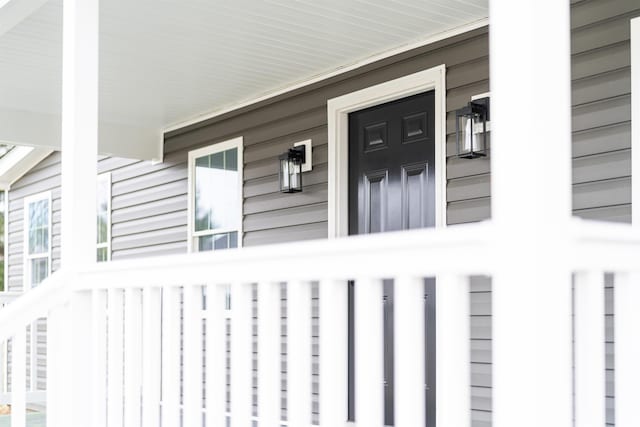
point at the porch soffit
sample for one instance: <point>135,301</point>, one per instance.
<point>167,62</point>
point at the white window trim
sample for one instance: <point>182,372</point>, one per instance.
<point>27,270</point>
<point>635,121</point>
<point>211,149</point>
<point>338,110</point>
<point>106,177</point>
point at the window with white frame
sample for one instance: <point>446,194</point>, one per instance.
<point>215,196</point>
<point>103,213</point>
<point>37,226</point>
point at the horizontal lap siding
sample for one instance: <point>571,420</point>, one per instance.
<point>601,105</point>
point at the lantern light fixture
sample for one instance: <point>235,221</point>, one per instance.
<point>291,169</point>
<point>472,131</point>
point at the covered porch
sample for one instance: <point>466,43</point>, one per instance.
<point>125,340</point>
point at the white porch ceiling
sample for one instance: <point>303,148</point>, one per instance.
<point>165,62</point>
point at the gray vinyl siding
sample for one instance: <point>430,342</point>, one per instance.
<point>149,202</point>
<point>601,103</point>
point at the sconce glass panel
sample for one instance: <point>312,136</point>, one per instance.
<point>290,172</point>
<point>471,129</point>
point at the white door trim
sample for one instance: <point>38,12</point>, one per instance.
<point>338,110</point>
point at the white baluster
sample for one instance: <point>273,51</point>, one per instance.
<point>151,353</point>
<point>333,352</point>
<point>19,379</point>
<point>99,358</point>
<point>269,353</point>
<point>299,353</point>
<point>409,358</point>
<point>58,367</point>
<point>453,375</point>
<point>369,352</point>
<point>241,355</point>
<point>192,364</point>
<point>589,349</point>
<point>171,357</point>
<point>132,357</point>
<point>216,356</point>
<point>81,358</point>
<point>115,395</point>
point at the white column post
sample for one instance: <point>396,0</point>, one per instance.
<point>635,120</point>
<point>79,131</point>
<point>531,207</point>
<point>79,166</point>
<point>627,286</point>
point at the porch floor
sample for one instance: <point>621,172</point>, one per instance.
<point>38,419</point>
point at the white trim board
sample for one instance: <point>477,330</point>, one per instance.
<point>635,121</point>
<point>431,39</point>
<point>338,110</point>
<point>17,162</point>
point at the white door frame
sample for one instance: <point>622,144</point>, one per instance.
<point>338,110</point>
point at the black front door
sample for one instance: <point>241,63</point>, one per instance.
<point>392,187</point>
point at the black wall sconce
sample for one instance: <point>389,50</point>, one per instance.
<point>291,169</point>
<point>472,137</point>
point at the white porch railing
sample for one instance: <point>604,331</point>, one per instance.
<point>114,343</point>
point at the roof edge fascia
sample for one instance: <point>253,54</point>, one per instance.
<point>17,162</point>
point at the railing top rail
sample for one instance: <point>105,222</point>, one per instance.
<point>466,249</point>
<point>419,252</point>
<point>36,303</point>
<point>6,296</point>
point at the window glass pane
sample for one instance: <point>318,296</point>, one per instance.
<point>39,270</point>
<point>233,239</point>
<point>231,160</point>
<point>216,191</point>
<point>102,227</point>
<point>102,254</point>
<point>38,226</point>
<point>216,160</point>
<point>102,209</point>
<point>205,243</point>
<point>221,241</point>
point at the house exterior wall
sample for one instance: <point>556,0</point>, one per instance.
<point>149,202</point>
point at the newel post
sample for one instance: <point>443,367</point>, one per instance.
<point>531,208</point>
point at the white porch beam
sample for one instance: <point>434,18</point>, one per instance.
<point>30,128</point>
<point>531,206</point>
<point>34,129</point>
<point>79,131</point>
